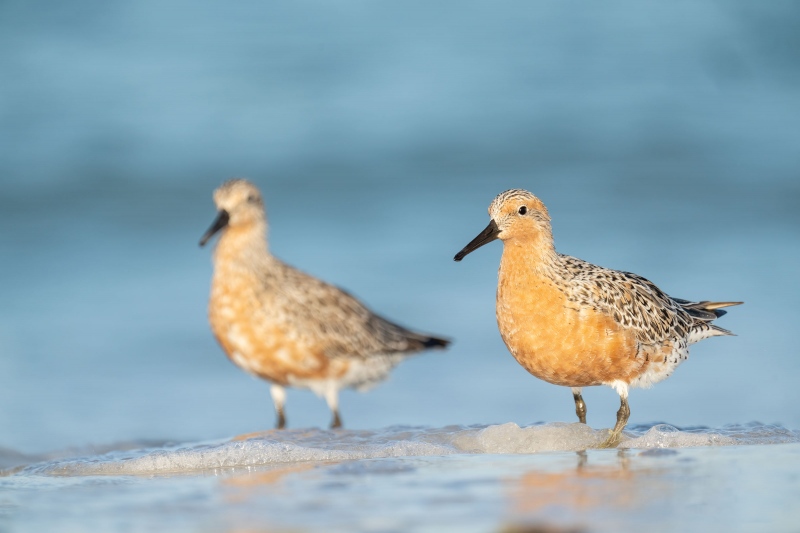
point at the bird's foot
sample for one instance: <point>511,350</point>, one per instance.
<point>613,440</point>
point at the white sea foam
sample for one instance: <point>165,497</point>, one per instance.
<point>666,436</point>
<point>510,438</point>
<point>273,447</point>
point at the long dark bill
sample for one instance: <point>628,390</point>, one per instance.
<point>220,222</point>
<point>485,237</point>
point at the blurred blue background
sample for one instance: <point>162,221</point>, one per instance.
<point>662,136</point>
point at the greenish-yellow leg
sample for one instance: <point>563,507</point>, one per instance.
<point>622,420</point>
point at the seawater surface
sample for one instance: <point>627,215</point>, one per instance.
<point>545,477</point>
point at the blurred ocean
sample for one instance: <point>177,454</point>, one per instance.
<point>663,138</point>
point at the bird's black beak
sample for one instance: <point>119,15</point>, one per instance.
<point>486,236</point>
<point>220,222</point>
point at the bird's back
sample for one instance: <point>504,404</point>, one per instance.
<point>639,305</point>
<point>324,314</point>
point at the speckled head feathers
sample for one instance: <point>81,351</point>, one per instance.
<point>512,200</point>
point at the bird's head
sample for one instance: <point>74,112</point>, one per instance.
<point>515,214</point>
<point>239,204</point>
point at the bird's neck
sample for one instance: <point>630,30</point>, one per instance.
<point>242,246</point>
<point>527,293</point>
<point>531,255</point>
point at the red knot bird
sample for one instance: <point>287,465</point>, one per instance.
<point>289,328</point>
<point>572,323</point>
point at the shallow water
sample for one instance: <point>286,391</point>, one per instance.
<point>480,478</point>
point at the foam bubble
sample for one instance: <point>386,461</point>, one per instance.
<point>666,436</point>
<point>293,446</point>
<point>230,454</point>
<point>510,438</point>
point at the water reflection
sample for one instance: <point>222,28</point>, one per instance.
<point>263,477</point>
<point>579,496</point>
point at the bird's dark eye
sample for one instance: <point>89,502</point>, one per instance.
<point>252,198</point>
<point>522,210</point>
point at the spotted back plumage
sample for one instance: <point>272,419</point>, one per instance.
<point>638,304</point>
<point>320,313</point>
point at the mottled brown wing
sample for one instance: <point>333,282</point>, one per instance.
<point>631,300</point>
<point>321,313</point>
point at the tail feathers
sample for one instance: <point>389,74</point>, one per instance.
<point>722,331</point>
<point>418,341</point>
<point>704,330</point>
<point>705,310</point>
<point>435,342</point>
<point>717,305</point>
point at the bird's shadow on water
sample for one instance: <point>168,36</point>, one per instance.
<point>599,482</point>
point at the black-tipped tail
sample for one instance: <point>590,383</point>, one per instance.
<point>435,342</point>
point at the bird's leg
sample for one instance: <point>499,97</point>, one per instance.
<point>623,414</point>
<point>580,405</point>
<point>278,394</point>
<point>622,417</point>
<point>337,421</point>
<point>583,459</point>
<point>332,398</point>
